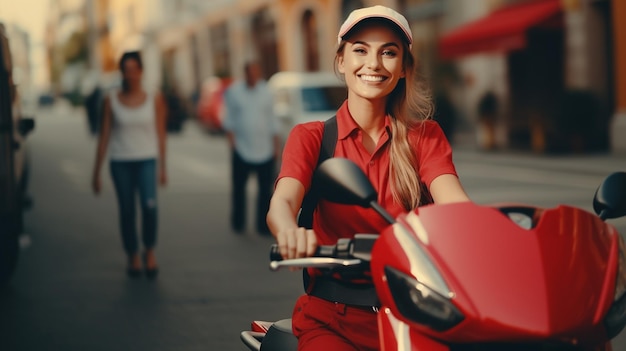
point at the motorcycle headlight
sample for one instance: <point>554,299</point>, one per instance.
<point>615,319</point>
<point>421,304</point>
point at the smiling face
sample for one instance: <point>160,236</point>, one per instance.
<point>371,61</point>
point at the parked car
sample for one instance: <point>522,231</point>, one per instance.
<point>305,96</point>
<point>210,107</point>
<point>13,163</point>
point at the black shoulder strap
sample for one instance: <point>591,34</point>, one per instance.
<point>327,150</point>
<point>329,140</point>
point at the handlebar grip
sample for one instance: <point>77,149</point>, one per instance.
<point>321,251</point>
<point>275,253</point>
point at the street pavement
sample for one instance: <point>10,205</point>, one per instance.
<point>70,291</point>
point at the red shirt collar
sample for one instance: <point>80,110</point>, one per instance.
<point>346,124</point>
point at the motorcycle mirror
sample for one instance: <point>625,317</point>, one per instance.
<point>609,200</point>
<point>342,181</point>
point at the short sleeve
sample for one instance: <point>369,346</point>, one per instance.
<point>433,151</point>
<point>301,152</point>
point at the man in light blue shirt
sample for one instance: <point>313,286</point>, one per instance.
<point>252,132</point>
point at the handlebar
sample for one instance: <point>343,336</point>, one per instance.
<point>347,252</point>
<point>321,251</point>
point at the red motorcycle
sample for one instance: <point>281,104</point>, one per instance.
<point>461,277</point>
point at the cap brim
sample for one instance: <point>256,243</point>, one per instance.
<point>347,29</point>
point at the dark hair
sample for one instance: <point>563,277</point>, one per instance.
<point>250,63</point>
<point>129,55</point>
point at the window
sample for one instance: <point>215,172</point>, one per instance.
<point>221,50</point>
<point>309,36</point>
<point>317,99</point>
<point>264,37</point>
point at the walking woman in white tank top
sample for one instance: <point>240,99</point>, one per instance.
<point>133,132</point>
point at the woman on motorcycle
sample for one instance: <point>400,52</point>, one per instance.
<point>384,126</point>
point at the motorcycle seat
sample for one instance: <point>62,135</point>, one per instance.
<point>283,325</point>
<point>280,337</point>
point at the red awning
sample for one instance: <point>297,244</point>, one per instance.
<point>503,30</point>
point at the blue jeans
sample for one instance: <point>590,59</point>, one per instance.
<point>130,178</point>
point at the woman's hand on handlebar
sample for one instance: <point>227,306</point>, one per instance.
<point>296,243</point>
<point>293,241</point>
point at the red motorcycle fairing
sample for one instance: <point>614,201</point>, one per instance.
<point>555,281</point>
<point>396,335</point>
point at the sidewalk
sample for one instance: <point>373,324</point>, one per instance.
<point>466,150</point>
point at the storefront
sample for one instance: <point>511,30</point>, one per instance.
<point>558,73</point>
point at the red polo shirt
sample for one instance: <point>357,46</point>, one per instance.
<point>333,221</point>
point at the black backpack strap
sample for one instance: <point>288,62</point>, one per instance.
<point>327,150</point>
<point>329,140</point>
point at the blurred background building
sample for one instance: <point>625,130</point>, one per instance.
<point>537,75</point>
<point>19,41</point>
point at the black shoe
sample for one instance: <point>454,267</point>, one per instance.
<point>133,272</point>
<point>151,273</point>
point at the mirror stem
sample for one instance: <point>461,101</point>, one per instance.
<point>381,211</point>
<point>603,214</point>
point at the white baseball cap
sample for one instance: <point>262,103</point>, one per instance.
<point>377,11</point>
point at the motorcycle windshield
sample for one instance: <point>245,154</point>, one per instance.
<point>553,280</point>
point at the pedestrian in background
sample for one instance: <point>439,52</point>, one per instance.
<point>487,116</point>
<point>252,132</point>
<point>133,131</point>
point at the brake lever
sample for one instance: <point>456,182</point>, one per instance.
<point>314,262</point>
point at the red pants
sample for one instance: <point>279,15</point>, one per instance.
<point>323,325</point>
